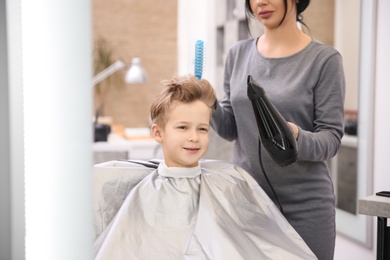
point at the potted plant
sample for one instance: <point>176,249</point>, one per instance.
<point>103,58</point>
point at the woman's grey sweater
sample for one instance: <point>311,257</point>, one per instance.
<point>308,89</point>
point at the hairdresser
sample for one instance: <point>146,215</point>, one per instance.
<point>304,80</point>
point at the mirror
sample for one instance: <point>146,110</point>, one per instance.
<point>351,168</point>
<point>353,35</point>
<point>348,221</point>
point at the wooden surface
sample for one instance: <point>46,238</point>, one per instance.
<point>375,206</point>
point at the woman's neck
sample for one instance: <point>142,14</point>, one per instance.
<point>283,41</point>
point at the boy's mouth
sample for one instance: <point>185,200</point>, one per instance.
<point>191,149</point>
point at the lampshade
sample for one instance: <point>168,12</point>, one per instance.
<point>136,73</point>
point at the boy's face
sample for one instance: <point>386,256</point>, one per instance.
<point>185,137</point>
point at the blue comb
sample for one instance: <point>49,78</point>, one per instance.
<point>198,68</point>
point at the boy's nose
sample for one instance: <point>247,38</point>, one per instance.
<point>193,136</point>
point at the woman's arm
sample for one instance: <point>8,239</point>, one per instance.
<point>223,120</point>
<point>324,141</point>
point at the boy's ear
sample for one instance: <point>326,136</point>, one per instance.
<point>156,133</point>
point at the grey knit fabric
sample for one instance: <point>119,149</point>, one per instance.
<point>308,89</point>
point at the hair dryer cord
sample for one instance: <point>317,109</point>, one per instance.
<point>266,178</point>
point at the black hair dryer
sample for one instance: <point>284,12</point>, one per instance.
<point>276,135</point>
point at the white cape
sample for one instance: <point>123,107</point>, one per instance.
<point>214,211</point>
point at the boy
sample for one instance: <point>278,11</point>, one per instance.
<point>181,120</point>
<point>188,209</point>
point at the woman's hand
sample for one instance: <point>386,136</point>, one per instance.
<point>295,130</point>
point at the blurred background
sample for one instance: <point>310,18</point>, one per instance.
<point>164,41</point>
<point>143,29</point>
<point>163,34</point>
<point>48,57</point>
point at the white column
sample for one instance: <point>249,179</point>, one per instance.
<point>15,126</point>
<point>57,74</point>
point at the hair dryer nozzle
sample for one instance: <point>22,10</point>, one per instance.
<point>254,91</point>
<point>276,135</point>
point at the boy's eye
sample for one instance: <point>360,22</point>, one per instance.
<point>182,127</point>
<point>204,129</point>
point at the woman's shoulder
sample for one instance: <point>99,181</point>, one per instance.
<point>319,47</point>
<point>241,50</point>
<point>242,45</point>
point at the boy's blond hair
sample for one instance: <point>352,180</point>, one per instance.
<point>184,89</point>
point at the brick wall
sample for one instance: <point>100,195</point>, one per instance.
<point>134,28</point>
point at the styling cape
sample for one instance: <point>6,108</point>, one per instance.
<point>213,211</point>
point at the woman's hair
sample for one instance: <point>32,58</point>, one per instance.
<point>301,6</point>
<point>184,89</point>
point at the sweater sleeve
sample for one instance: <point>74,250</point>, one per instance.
<point>223,120</point>
<point>324,142</point>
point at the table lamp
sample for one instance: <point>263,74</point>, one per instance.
<point>135,75</point>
